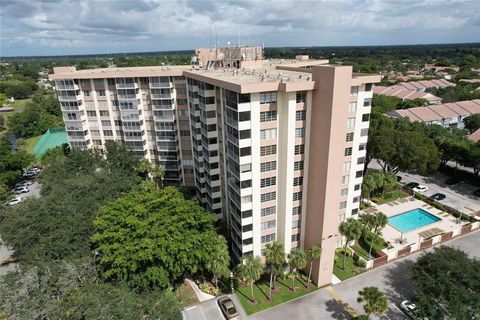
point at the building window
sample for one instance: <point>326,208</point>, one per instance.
<point>351,122</point>
<point>367,102</point>
<point>357,187</point>
<point>268,224</point>
<point>270,196</point>
<point>245,151</point>
<point>268,116</point>
<point>295,237</point>
<point>300,115</point>
<point>108,133</point>
<point>364,132</point>
<point>106,123</point>
<point>101,93</point>
<point>300,149</point>
<point>297,181</point>
<point>104,113</point>
<point>268,238</point>
<point>346,166</point>
<point>268,150</point>
<point>345,179</point>
<point>343,204</point>
<point>296,224</point>
<point>297,196</point>
<point>341,217</point>
<point>365,117</point>
<point>368,86</point>
<point>268,133</point>
<point>348,151</point>
<point>353,90</point>
<point>298,165</point>
<point>352,107</point>
<point>349,137</point>
<point>362,146</point>
<point>245,134</point>
<point>354,212</point>
<point>301,96</point>
<point>268,97</point>
<point>246,199</point>
<point>268,182</point>
<point>356,199</point>
<point>247,167</point>
<point>268,166</point>
<point>268,211</point>
<point>344,192</point>
<point>91,113</point>
<point>246,184</point>
<point>299,132</point>
<point>297,210</point>
<point>361,160</point>
<point>86,93</point>
<point>359,174</point>
<point>244,116</point>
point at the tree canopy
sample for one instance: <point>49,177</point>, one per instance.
<point>150,238</point>
<point>450,278</point>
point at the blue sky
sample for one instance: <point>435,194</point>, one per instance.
<point>58,27</point>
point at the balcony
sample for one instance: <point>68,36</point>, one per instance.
<point>67,87</point>
<point>161,96</point>
<point>155,85</point>
<point>132,85</point>
<point>70,98</point>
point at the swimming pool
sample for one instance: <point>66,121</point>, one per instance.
<point>411,220</point>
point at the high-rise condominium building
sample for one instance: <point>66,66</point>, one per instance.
<point>275,147</point>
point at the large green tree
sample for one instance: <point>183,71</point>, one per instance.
<point>449,277</point>
<point>351,229</point>
<point>150,238</point>
<point>274,258</point>
<point>472,123</point>
<point>250,271</point>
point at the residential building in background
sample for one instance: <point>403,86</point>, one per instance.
<point>274,147</point>
<point>415,90</point>
<point>447,115</point>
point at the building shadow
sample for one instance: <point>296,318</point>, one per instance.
<point>397,278</point>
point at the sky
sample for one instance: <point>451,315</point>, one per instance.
<point>65,27</point>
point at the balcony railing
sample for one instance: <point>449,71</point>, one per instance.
<point>160,84</point>
<point>161,96</point>
<point>69,98</point>
<point>132,85</point>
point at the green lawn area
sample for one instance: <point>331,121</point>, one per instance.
<point>362,246</point>
<point>30,144</point>
<point>18,106</point>
<point>390,196</point>
<point>261,291</point>
<point>350,268</point>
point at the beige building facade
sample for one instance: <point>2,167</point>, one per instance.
<point>276,148</point>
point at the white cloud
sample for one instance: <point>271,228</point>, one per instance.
<point>91,26</point>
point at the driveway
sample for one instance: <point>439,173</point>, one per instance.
<point>209,310</point>
<point>391,279</point>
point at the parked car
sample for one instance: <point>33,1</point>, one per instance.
<point>15,201</point>
<point>24,183</point>
<point>476,193</point>
<point>438,196</point>
<point>420,188</point>
<point>19,190</point>
<point>228,308</point>
<point>412,185</point>
<point>452,181</point>
<point>411,310</point>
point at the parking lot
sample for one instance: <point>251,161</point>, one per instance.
<point>458,196</point>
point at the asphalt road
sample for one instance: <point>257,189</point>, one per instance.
<point>391,279</point>
<point>209,310</point>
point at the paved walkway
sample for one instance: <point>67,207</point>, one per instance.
<point>201,296</point>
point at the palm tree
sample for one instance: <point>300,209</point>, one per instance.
<point>250,271</point>
<point>351,230</point>
<point>297,260</point>
<point>218,262</point>
<point>368,222</point>
<point>379,222</point>
<point>144,168</point>
<point>274,257</point>
<point>312,253</point>
<point>374,301</point>
<point>158,173</point>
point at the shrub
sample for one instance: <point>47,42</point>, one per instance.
<point>207,287</point>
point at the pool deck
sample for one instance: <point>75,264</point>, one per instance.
<point>392,235</point>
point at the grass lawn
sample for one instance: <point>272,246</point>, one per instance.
<point>18,106</point>
<point>350,268</point>
<point>391,196</point>
<point>261,291</point>
<point>30,144</point>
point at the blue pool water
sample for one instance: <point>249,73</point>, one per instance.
<point>411,220</point>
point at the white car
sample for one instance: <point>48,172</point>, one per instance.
<point>410,309</point>
<point>420,189</point>
<point>15,201</point>
<point>19,190</point>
